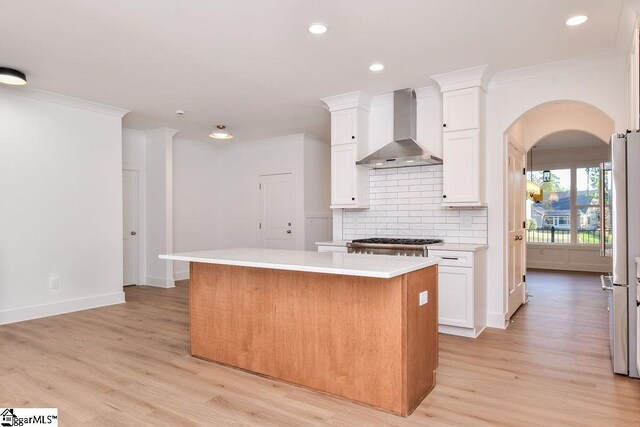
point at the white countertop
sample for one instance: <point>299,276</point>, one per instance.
<point>461,247</point>
<point>380,266</point>
<point>334,243</point>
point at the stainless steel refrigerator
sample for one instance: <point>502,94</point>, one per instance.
<point>620,188</point>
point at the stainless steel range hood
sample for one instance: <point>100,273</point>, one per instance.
<point>403,150</point>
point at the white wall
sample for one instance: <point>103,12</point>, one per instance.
<point>600,81</point>
<point>216,195</point>
<point>240,168</point>
<point>196,203</point>
<point>317,192</point>
<point>61,216</point>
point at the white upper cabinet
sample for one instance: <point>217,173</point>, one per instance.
<point>344,126</point>
<point>349,182</point>
<point>349,143</point>
<point>462,144</point>
<point>461,168</point>
<point>460,109</point>
<point>343,178</point>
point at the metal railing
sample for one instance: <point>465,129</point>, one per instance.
<point>553,235</point>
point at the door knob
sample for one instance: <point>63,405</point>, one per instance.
<point>288,231</point>
<point>133,233</point>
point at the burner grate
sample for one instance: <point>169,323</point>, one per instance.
<point>391,241</point>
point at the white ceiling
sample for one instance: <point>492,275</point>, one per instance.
<point>570,139</point>
<point>252,65</point>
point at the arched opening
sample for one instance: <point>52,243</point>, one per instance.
<point>554,208</point>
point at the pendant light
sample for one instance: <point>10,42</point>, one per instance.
<point>9,76</point>
<point>534,190</point>
<point>221,132</point>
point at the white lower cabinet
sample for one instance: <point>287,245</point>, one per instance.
<point>455,296</point>
<point>461,292</point>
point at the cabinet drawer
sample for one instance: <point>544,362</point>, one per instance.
<point>453,258</point>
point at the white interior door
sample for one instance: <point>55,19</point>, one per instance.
<point>277,206</point>
<point>516,269</point>
<point>130,226</point>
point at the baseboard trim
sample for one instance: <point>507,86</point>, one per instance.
<point>181,275</point>
<point>567,267</point>
<point>59,307</point>
<point>160,282</point>
<point>461,332</point>
<point>496,320</point>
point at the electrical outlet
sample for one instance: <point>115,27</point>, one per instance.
<point>424,297</point>
<point>54,283</point>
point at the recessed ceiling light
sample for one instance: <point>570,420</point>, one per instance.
<point>9,76</point>
<point>576,20</point>
<point>318,28</point>
<point>221,133</point>
<point>376,67</point>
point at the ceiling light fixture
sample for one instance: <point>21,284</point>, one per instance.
<point>9,76</point>
<point>221,132</point>
<point>318,28</point>
<point>576,20</point>
<point>376,67</point>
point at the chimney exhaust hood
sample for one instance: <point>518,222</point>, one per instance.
<point>403,150</point>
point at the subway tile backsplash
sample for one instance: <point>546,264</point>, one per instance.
<point>405,202</point>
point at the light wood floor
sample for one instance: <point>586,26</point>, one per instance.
<point>129,365</point>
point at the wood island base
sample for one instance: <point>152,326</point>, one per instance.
<point>360,338</point>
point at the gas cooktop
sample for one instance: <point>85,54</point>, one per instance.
<point>390,241</point>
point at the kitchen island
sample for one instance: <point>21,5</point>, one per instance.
<point>362,327</point>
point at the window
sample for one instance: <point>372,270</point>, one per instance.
<point>550,220</point>
<point>587,203</point>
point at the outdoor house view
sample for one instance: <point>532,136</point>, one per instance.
<point>565,194</point>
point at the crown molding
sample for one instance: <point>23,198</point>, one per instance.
<point>555,68</point>
<point>462,79</point>
<point>356,99</point>
<point>56,98</point>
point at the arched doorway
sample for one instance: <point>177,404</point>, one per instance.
<point>566,133</point>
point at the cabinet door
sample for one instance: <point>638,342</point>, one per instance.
<point>455,296</point>
<point>343,126</point>
<point>460,109</point>
<point>343,175</point>
<point>460,170</point>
